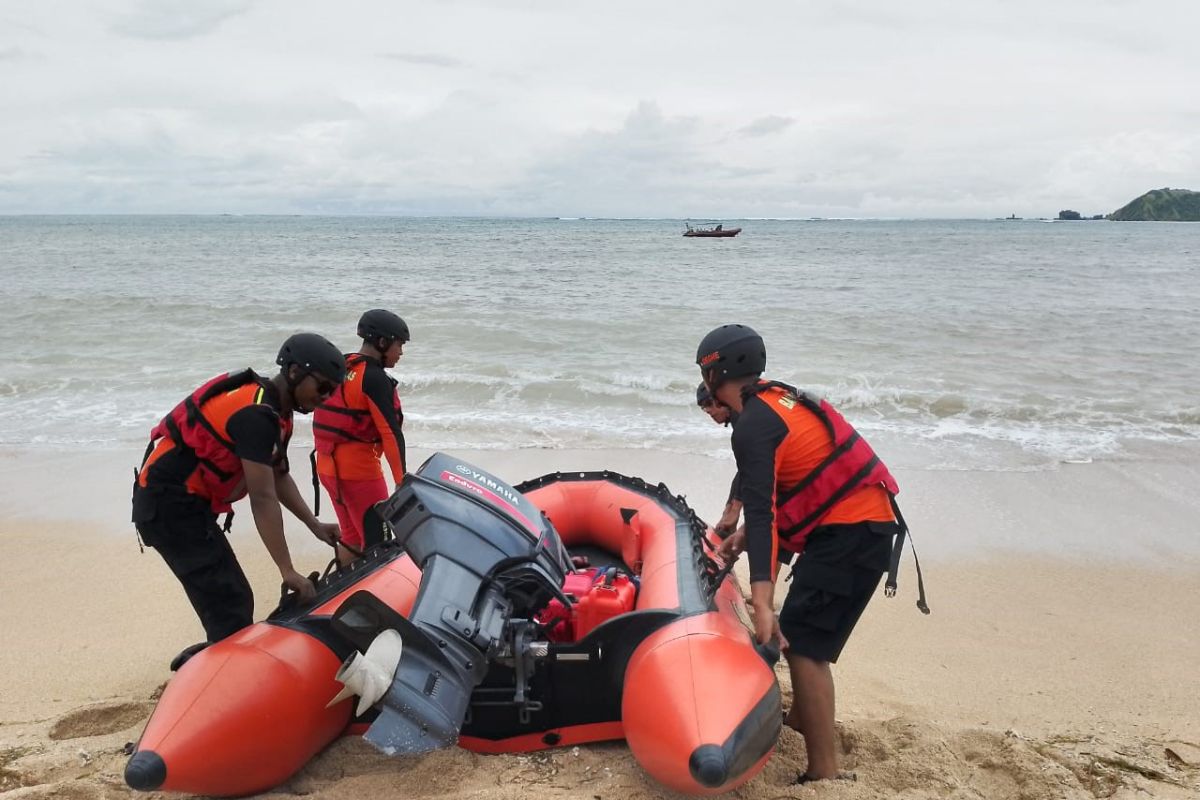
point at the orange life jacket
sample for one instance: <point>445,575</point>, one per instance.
<point>199,424</point>
<point>852,465</point>
<point>344,417</point>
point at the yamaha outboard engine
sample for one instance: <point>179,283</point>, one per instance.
<point>489,561</point>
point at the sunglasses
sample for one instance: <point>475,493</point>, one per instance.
<point>324,387</point>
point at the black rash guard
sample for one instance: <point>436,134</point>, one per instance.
<point>380,390</point>
<point>756,437</point>
<point>734,491</point>
<point>254,431</point>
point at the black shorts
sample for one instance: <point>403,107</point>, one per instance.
<point>184,531</point>
<point>832,582</point>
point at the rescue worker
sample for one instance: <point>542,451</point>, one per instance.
<point>226,440</point>
<point>717,413</point>
<point>812,486</point>
<point>361,422</point>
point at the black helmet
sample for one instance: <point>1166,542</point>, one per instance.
<point>313,353</point>
<point>731,351</point>
<point>703,396</point>
<point>380,324</point>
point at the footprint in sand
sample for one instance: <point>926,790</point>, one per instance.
<point>67,790</point>
<point>100,719</point>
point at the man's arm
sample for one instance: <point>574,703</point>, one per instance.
<point>754,444</point>
<point>380,392</point>
<point>728,522</point>
<point>268,519</point>
<point>755,441</point>
<point>291,499</point>
<point>254,431</point>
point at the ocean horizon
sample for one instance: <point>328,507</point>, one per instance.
<point>956,343</point>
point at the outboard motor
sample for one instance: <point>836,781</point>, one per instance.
<point>489,561</point>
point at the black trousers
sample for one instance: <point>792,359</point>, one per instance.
<point>184,531</point>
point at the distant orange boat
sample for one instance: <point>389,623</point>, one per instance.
<point>717,231</point>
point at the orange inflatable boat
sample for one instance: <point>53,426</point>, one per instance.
<point>246,713</point>
<point>575,607</point>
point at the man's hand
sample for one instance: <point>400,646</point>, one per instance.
<point>728,522</point>
<point>299,584</point>
<point>328,532</point>
<point>766,627</point>
<point>766,624</point>
<point>733,545</point>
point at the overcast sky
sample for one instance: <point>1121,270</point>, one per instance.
<point>565,108</point>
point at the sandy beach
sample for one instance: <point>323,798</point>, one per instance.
<point>1059,661</point>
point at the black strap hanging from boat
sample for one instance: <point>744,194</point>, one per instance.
<point>889,588</point>
<point>312,462</point>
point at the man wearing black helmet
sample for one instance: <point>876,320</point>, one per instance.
<point>226,440</point>
<point>717,413</point>
<point>361,423</point>
<point>810,485</point>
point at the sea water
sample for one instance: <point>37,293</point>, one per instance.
<point>951,344</point>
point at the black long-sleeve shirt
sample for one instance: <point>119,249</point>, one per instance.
<point>380,390</point>
<point>755,440</point>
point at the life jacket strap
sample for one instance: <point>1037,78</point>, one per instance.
<point>816,471</point>
<point>312,462</point>
<point>349,437</point>
<point>834,498</point>
<point>347,412</point>
<point>230,382</point>
<point>177,437</point>
<point>889,588</point>
<point>237,380</point>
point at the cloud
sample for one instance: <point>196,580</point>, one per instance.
<point>423,59</point>
<point>799,110</point>
<point>767,125</point>
<point>14,54</point>
<point>651,164</point>
<point>177,19</point>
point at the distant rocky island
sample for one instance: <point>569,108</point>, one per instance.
<point>1161,205</point>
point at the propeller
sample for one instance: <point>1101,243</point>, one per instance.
<point>370,676</point>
